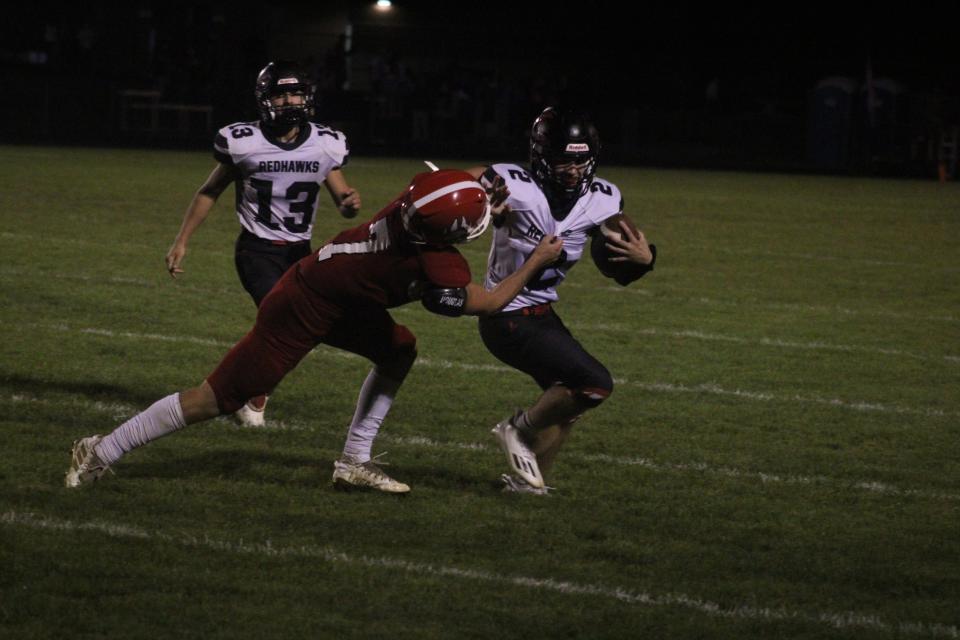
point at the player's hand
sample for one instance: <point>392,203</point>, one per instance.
<point>174,258</point>
<point>632,246</point>
<point>497,194</point>
<point>349,203</point>
<point>548,250</point>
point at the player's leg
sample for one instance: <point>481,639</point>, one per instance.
<point>583,383</point>
<point>572,379</point>
<point>392,349</point>
<point>254,365</point>
<point>92,456</point>
<point>260,265</point>
<point>376,397</point>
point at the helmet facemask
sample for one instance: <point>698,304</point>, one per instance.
<point>276,80</point>
<point>564,147</point>
<point>289,115</point>
<point>567,177</point>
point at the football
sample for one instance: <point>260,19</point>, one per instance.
<point>622,272</point>
<point>610,228</point>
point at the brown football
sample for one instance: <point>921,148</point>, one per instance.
<point>598,247</point>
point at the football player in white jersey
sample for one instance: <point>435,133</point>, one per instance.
<point>277,166</point>
<point>559,195</point>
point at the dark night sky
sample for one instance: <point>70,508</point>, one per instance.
<point>810,39</point>
<point>608,58</point>
<point>771,42</point>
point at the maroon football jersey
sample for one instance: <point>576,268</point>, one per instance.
<point>376,264</point>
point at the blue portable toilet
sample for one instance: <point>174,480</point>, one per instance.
<point>830,124</point>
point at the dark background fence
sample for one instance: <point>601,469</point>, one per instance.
<point>681,87</point>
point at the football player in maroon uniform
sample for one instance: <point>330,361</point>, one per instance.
<point>339,296</point>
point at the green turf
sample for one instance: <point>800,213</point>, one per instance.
<point>781,457</point>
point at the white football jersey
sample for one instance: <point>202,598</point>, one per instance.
<point>279,182</point>
<point>518,236</point>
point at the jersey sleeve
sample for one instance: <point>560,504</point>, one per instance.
<point>445,267</point>
<point>221,148</point>
<point>335,145</point>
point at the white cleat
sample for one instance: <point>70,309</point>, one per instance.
<point>348,474</point>
<point>85,466</point>
<point>519,457</point>
<point>512,484</point>
<point>250,416</point>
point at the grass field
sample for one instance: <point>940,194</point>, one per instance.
<point>781,457</point>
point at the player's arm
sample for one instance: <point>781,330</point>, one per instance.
<point>198,210</point>
<point>474,300</point>
<point>480,302</point>
<point>345,198</point>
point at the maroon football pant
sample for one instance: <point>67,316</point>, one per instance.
<point>291,321</point>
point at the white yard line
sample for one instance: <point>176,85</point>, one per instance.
<point>98,242</point>
<point>763,396</point>
<point>848,620</point>
<point>712,337</point>
<point>748,252</point>
<point>657,387</point>
<point>119,412</point>
<point>764,342</point>
<point>161,281</point>
<point>673,299</point>
<point>827,310</point>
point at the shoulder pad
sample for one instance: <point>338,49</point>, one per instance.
<point>511,173</point>
<point>335,142</point>
<point>603,189</point>
<point>234,138</point>
<point>603,201</point>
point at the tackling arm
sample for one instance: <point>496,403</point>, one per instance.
<point>481,302</point>
<point>198,210</point>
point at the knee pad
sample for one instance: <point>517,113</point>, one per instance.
<point>592,397</point>
<point>595,388</point>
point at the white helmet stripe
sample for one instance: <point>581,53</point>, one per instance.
<point>439,193</point>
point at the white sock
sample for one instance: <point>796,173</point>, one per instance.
<point>164,416</point>
<point>376,396</point>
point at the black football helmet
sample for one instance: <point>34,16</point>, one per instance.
<point>561,137</point>
<point>276,79</point>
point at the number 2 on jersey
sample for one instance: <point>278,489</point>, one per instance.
<point>302,207</point>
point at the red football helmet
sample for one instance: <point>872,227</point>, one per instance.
<point>445,207</point>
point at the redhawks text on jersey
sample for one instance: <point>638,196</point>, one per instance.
<point>279,182</point>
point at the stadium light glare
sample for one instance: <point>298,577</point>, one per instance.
<point>384,5</point>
